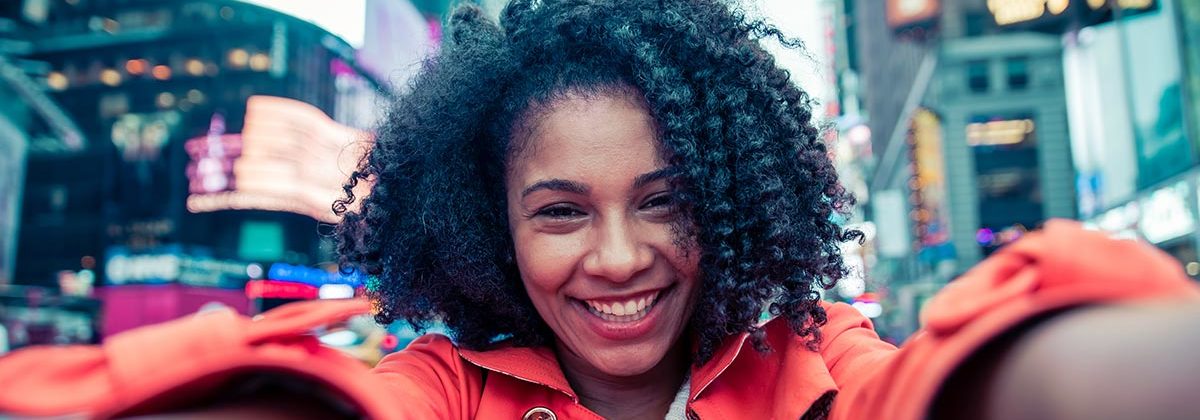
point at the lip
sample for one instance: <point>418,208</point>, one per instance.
<point>622,331</point>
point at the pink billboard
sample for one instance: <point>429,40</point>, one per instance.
<point>290,157</point>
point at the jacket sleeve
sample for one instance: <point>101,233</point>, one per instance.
<point>1061,267</point>
<point>204,357</point>
<point>432,379</point>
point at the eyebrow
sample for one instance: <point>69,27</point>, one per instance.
<point>579,188</point>
<point>646,178</point>
<point>556,185</point>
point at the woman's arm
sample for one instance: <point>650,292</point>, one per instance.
<point>1101,362</point>
<point>1066,323</point>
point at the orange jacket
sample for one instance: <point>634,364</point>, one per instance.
<point>1060,267</point>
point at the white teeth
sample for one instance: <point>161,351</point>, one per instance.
<point>628,311</point>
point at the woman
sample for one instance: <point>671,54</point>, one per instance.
<point>601,200</point>
<point>626,183</point>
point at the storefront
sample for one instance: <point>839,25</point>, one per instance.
<point>1165,216</point>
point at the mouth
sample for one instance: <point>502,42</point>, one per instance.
<point>623,310</point>
<point>625,317</point>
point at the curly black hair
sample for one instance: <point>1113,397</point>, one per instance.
<point>758,195</point>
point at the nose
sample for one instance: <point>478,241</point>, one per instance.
<point>618,254</point>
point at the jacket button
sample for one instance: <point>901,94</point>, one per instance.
<point>540,413</point>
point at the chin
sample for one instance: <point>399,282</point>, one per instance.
<point>629,361</point>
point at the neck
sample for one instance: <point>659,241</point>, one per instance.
<point>646,395</point>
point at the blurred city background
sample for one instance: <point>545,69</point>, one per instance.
<point>161,157</point>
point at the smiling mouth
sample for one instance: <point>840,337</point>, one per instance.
<point>622,311</point>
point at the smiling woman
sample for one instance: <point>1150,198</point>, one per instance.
<point>600,199</point>
<point>565,181</point>
<point>568,151</point>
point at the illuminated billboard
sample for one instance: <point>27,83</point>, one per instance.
<point>929,173</point>
<point>1062,15</point>
<point>1165,214</point>
<point>286,281</point>
<point>172,264</point>
<point>907,14</point>
<point>290,157</point>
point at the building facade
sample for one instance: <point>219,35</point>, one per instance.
<point>972,146</point>
<point>208,123</point>
<point>1019,112</point>
<point>1132,86</point>
<point>1006,149</point>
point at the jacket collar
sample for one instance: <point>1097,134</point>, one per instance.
<point>727,352</point>
<point>539,365</point>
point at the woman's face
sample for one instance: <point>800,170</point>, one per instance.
<point>590,212</point>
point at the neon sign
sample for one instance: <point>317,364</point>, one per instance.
<point>212,157</point>
<point>274,289</point>
<point>313,276</point>
<point>909,13</point>
<point>134,269</point>
<point>171,265</point>
<point>290,157</point>
<point>271,289</point>
<point>1165,214</point>
<point>1058,15</point>
<point>999,133</point>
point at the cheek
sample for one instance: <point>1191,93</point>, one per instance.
<point>688,265</point>
<point>689,268</point>
<point>686,261</point>
<point>546,262</point>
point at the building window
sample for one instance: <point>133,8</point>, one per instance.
<point>1007,177</point>
<point>977,76</point>
<point>1017,69</point>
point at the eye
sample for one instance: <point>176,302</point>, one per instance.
<point>559,211</point>
<point>659,201</point>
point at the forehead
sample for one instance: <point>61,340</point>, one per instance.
<point>588,135</point>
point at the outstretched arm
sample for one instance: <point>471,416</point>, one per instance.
<point>1102,362</point>
<point>1064,324</point>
